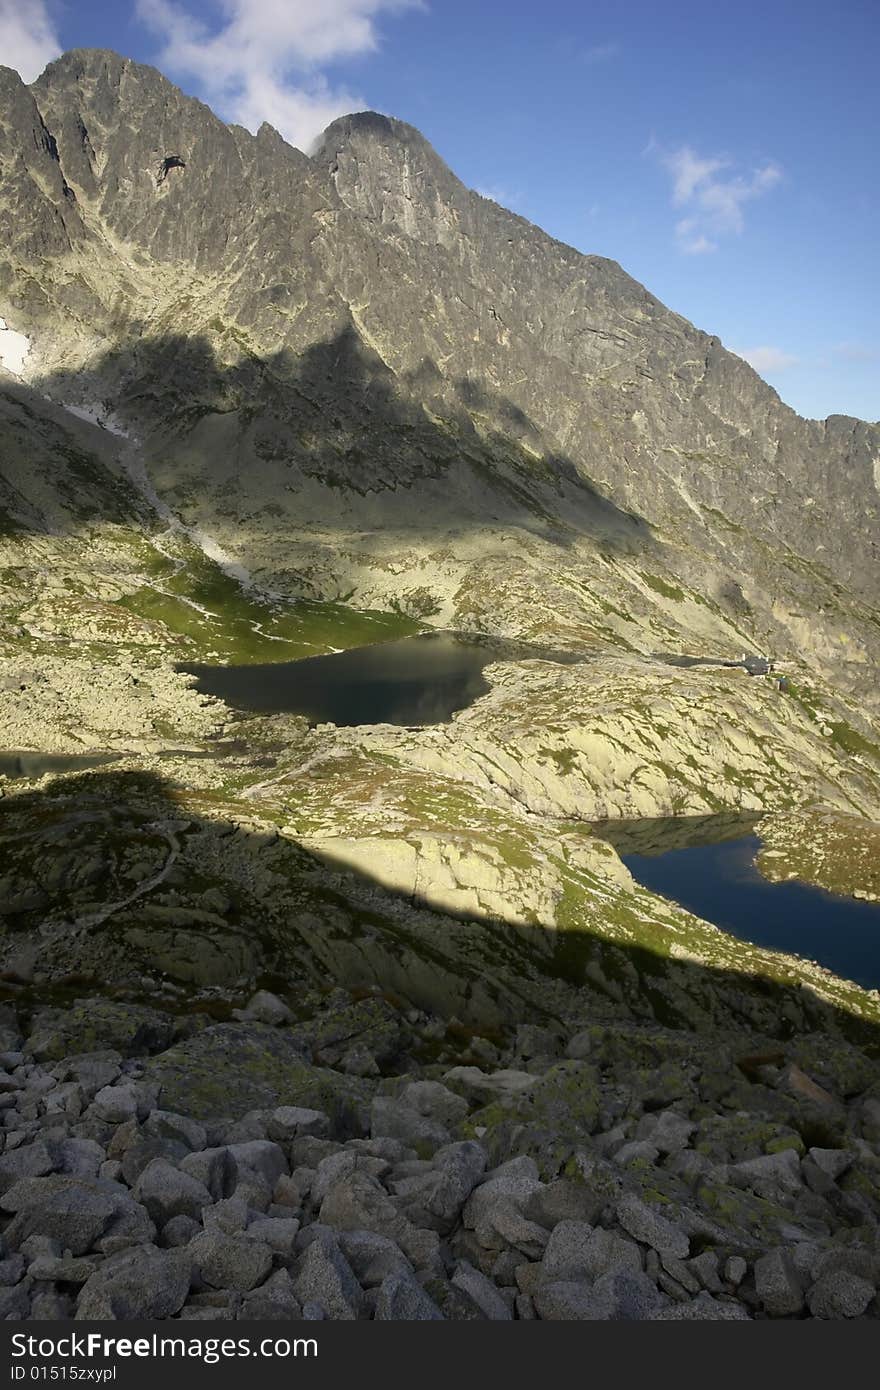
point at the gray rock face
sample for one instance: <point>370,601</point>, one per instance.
<point>563,1200</point>
<point>33,1161</point>
<point>431,303</point>
<point>230,1261</point>
<point>833,1162</point>
<point>265,1007</point>
<point>325,1277</point>
<point>702,1309</point>
<point>227,1071</point>
<point>435,1101</point>
<point>214,1168</point>
<point>259,1156</point>
<point>651,1228</point>
<point>735,1269</point>
<point>274,1301</point>
<point>372,1257</point>
<point>82,1158</point>
<point>398,1120</point>
<point>278,1232</point>
<point>568,1300</point>
<point>778,1284</point>
<point>503,1224</point>
<point>164,1124</point>
<point>75,1211</point>
<point>358,1203</point>
<point>515,1182</point>
<point>666,1131</point>
<point>179,1231</point>
<point>436,1198</point>
<point>167,1192</point>
<point>482,1291</point>
<point>578,1252</point>
<point>623,1296</point>
<point>116,1104</point>
<point>139,1155</point>
<point>402,1299</point>
<point>771,1175</point>
<point>631,1295</point>
<point>289,1121</point>
<point>140,1283</point>
<point>839,1294</point>
<point>336,1166</point>
<point>371,1231</point>
<point>12,1270</point>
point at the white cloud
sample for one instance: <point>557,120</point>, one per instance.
<point>767,359</point>
<point>691,239</point>
<point>27,37</point>
<point>262,59</point>
<point>688,172</point>
<point>712,194</point>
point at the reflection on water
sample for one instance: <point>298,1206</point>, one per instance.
<point>419,680</point>
<point>679,832</point>
<point>712,872</point>
<point>23,763</point>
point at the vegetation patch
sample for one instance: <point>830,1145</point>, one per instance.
<point>660,586</point>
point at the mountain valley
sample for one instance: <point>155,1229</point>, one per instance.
<point>257,407</point>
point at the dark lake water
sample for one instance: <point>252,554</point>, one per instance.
<point>708,866</point>
<point>418,680</point>
<point>21,763</point>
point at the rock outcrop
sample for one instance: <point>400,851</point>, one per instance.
<point>617,1172</point>
<point>434,403</point>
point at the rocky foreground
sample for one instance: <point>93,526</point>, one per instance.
<point>260,1168</point>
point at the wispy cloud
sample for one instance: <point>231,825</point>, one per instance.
<point>262,60</point>
<point>711,194</point>
<point>496,194</point>
<point>28,40</point>
<point>767,359</point>
<point>855,352</point>
<point>599,53</point>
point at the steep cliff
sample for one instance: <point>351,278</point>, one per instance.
<point>366,380</point>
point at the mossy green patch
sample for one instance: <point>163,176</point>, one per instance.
<point>222,620</point>
<point>662,587</point>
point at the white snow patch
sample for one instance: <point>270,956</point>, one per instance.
<point>94,416</point>
<point>14,349</point>
<point>215,552</point>
<point>136,469</point>
<point>269,636</point>
<point>190,602</point>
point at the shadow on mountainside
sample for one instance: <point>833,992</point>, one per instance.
<point>334,429</point>
<point>123,885</point>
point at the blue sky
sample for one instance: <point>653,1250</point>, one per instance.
<point>725,155</point>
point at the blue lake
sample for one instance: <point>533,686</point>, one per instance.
<point>719,881</point>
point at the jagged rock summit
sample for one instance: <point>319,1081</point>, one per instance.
<point>399,364</point>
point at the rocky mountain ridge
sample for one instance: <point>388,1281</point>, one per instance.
<point>256,405</point>
<point>394,361</point>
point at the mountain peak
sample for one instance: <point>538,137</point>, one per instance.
<point>364,125</point>
<point>79,62</point>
